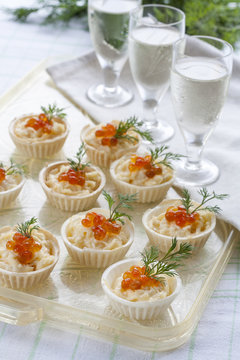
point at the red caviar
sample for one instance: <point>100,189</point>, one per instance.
<point>139,162</point>
<point>24,247</point>
<point>135,278</point>
<point>100,225</point>
<point>2,174</point>
<point>74,177</point>
<point>107,133</point>
<point>40,122</point>
<point>180,216</point>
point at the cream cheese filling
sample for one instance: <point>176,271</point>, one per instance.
<point>92,181</point>
<point>83,237</point>
<point>112,151</point>
<point>41,259</point>
<point>31,135</point>
<point>10,182</point>
<point>146,294</point>
<point>139,177</point>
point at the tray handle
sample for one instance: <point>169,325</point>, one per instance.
<point>19,313</point>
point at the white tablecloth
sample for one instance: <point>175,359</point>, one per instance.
<point>218,332</point>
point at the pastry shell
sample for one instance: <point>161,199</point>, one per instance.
<point>163,242</point>
<point>68,202</point>
<point>96,258</point>
<point>145,194</point>
<point>23,280</point>
<point>104,158</point>
<point>139,310</point>
<point>41,148</point>
<point>6,197</point>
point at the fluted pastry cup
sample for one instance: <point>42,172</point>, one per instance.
<point>40,148</point>
<point>70,202</point>
<point>163,242</point>
<point>24,280</point>
<point>105,158</point>
<point>145,194</point>
<point>137,310</point>
<point>96,258</point>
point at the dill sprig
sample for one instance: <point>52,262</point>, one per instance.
<point>166,156</point>
<point>13,168</point>
<point>206,196</point>
<point>52,111</point>
<point>27,227</point>
<point>133,124</point>
<point>167,265</point>
<point>124,201</point>
<point>79,164</point>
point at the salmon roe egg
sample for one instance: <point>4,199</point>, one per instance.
<point>2,174</point>
<point>24,247</point>
<point>180,216</point>
<point>40,122</point>
<point>135,278</point>
<point>74,177</point>
<point>100,225</point>
<point>138,162</point>
<point>107,134</point>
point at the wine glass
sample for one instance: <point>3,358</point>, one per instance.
<point>109,22</point>
<point>153,31</point>
<point>200,76</point>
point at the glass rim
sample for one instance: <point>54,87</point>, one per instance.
<point>134,11</point>
<point>227,44</point>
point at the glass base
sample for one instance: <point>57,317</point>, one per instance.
<point>160,133</point>
<point>191,175</point>
<point>109,98</point>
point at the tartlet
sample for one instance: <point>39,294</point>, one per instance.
<point>150,175</point>
<point>152,305</point>
<point>160,231</point>
<point>17,269</point>
<point>106,143</point>
<point>89,252</point>
<point>40,135</point>
<point>11,183</point>
<point>69,197</point>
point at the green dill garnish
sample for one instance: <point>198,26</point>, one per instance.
<point>132,124</point>
<point>123,202</point>
<point>167,265</point>
<point>53,111</point>
<point>27,227</point>
<point>13,168</point>
<point>206,196</point>
<point>79,164</point>
<point>166,156</point>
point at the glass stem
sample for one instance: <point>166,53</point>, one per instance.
<point>149,113</point>
<point>194,156</point>
<point>110,78</point>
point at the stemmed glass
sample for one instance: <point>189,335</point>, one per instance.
<point>200,75</point>
<point>108,22</point>
<point>153,31</point>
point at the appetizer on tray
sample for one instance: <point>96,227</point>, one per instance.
<point>72,185</point>
<point>108,142</point>
<point>11,182</point>
<point>28,254</point>
<point>143,288</point>
<point>150,175</point>
<point>190,221</point>
<point>100,237</point>
<point>40,135</point>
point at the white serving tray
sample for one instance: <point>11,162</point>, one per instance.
<point>72,297</point>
